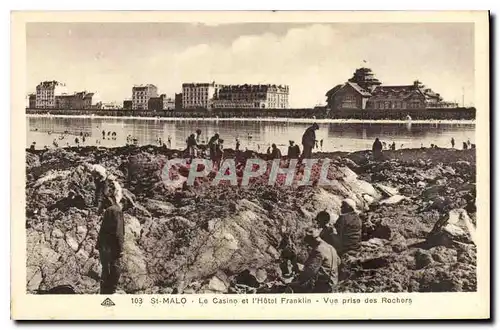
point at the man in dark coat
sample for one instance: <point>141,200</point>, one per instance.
<point>348,227</point>
<point>110,244</point>
<point>275,153</point>
<point>212,143</point>
<point>293,150</point>
<point>309,140</point>
<point>377,149</point>
<point>191,145</point>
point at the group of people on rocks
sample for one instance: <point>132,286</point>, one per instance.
<point>465,145</point>
<point>328,243</point>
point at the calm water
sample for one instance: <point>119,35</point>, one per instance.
<point>252,134</point>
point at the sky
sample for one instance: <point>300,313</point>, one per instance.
<point>109,58</point>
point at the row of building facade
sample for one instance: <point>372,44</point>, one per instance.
<point>210,96</point>
<point>364,91</point>
<point>53,95</point>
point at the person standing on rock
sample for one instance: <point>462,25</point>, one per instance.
<point>110,242</point>
<point>377,149</point>
<point>237,144</point>
<point>320,273</point>
<point>275,153</point>
<point>99,174</point>
<point>198,134</point>
<point>292,150</point>
<point>309,140</point>
<point>348,227</point>
<point>191,146</point>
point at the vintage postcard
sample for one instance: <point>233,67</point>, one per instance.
<point>250,165</point>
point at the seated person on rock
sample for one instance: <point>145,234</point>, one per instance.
<point>348,227</point>
<point>328,232</point>
<point>320,273</point>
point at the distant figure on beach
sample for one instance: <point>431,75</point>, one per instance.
<point>384,145</point>
<point>309,140</point>
<point>83,139</point>
<point>191,146</point>
<point>103,134</point>
<point>45,148</point>
<point>258,147</point>
<point>113,135</point>
<point>135,141</point>
<point>316,144</point>
<point>393,146</point>
<point>237,144</point>
<point>468,143</point>
<point>321,144</point>
<point>465,146</point>
<point>109,133</point>
<point>217,154</point>
<point>198,134</point>
<point>77,142</point>
<point>421,146</point>
<point>81,133</point>
<point>169,141</point>
<point>268,150</point>
<point>293,150</point>
<point>377,149</point>
<point>212,146</point>
<point>32,146</point>
<point>275,153</point>
<point>452,142</point>
<point>55,144</point>
<point>160,142</point>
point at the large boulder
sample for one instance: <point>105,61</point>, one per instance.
<point>457,227</point>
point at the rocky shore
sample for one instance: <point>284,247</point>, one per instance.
<point>418,212</point>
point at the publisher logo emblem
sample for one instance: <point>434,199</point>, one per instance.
<point>107,303</point>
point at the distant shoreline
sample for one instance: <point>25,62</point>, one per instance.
<point>267,119</point>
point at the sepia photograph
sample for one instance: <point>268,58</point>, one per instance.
<point>258,159</point>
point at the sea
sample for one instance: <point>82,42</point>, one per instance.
<point>255,134</point>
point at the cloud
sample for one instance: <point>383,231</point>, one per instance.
<point>311,59</point>
<point>299,59</point>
